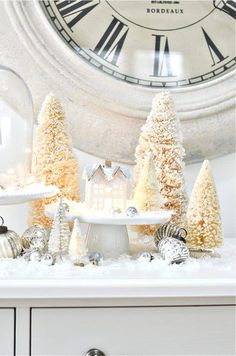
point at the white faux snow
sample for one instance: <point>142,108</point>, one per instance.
<point>28,193</point>
<point>125,268</point>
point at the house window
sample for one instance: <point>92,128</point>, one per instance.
<point>108,189</point>
<point>95,189</point>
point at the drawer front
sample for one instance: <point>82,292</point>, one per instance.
<point>7,332</point>
<point>134,331</point>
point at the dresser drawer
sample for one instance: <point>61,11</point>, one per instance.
<point>205,330</point>
<point>7,332</point>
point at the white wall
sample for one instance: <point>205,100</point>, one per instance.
<point>224,174</point>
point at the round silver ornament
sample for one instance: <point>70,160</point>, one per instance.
<point>94,352</point>
<point>145,257</point>
<point>96,258</point>
<point>173,250</point>
<point>35,237</point>
<point>131,211</point>
<point>10,243</point>
<point>35,256</point>
<point>48,259</point>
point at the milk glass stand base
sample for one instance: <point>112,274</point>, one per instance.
<point>108,234</point>
<point>109,240</point>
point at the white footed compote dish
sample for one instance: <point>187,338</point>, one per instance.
<point>20,195</point>
<point>107,233</point>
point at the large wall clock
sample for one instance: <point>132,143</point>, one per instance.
<point>150,43</point>
<point>108,58</point>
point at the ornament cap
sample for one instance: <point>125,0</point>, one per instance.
<point>108,163</point>
<point>3,229</point>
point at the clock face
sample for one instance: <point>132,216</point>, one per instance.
<point>149,42</point>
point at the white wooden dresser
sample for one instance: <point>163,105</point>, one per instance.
<point>117,316</point>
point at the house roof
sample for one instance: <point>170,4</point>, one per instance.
<point>108,172</point>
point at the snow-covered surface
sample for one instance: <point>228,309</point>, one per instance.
<point>125,277</point>
<point>86,215</point>
<point>28,193</point>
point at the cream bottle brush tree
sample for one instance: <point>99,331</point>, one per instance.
<point>147,193</point>
<point>203,220</point>
<point>77,245</point>
<point>161,135</point>
<point>55,162</point>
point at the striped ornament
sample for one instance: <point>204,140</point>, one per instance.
<point>10,245</point>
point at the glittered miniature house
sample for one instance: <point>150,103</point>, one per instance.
<point>16,130</point>
<point>106,187</point>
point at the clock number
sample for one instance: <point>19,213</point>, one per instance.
<point>228,6</point>
<point>111,43</point>
<point>162,62</point>
<point>214,51</point>
<point>77,8</point>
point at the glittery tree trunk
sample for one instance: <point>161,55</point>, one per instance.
<point>203,220</point>
<point>147,193</point>
<point>161,135</point>
<point>54,160</point>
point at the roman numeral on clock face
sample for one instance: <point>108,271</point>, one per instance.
<point>162,61</point>
<point>74,11</point>
<point>227,6</point>
<point>215,53</point>
<point>112,41</point>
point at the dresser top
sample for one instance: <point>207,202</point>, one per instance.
<point>124,278</point>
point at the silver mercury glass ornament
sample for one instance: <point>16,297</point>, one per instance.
<point>170,241</point>
<point>173,250</point>
<point>131,211</point>
<point>145,257</point>
<point>96,258</point>
<point>48,259</point>
<point>35,237</point>
<point>10,243</point>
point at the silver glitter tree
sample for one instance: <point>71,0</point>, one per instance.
<point>60,234</point>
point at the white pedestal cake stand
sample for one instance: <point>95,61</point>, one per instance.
<point>108,234</point>
<point>28,193</point>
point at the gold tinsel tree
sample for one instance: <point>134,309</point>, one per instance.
<point>147,193</point>
<point>161,135</point>
<point>55,162</point>
<point>203,221</point>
